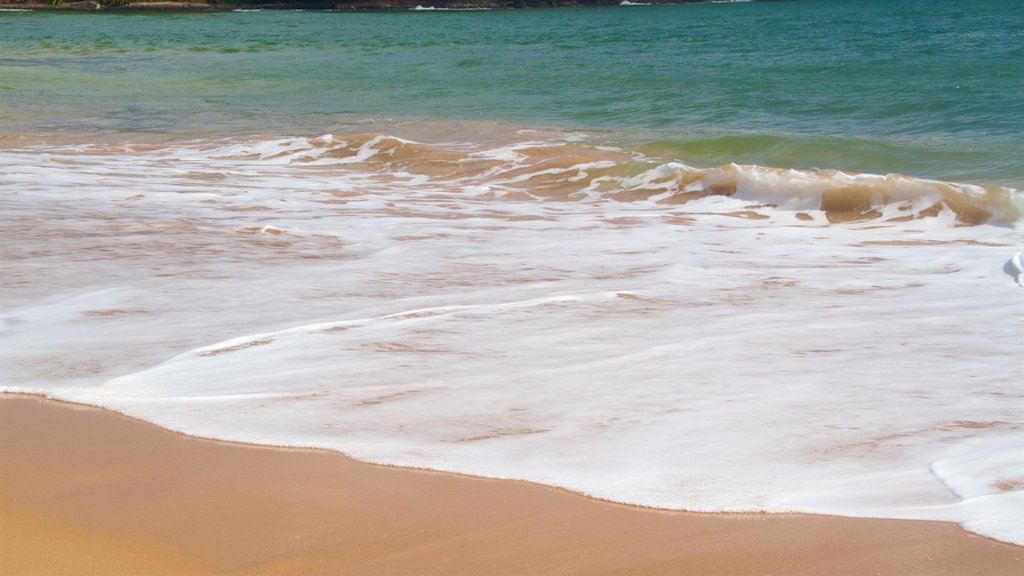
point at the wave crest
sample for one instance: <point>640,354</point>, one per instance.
<point>565,170</point>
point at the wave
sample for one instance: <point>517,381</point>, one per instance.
<point>569,171</point>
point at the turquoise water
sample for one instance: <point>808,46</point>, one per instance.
<point>931,89</point>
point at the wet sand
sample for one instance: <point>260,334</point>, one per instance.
<point>86,491</point>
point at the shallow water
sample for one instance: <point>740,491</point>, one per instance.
<point>636,290</point>
<point>924,88</point>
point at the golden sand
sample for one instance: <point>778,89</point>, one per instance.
<point>85,491</point>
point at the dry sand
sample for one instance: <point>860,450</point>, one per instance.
<point>85,491</point>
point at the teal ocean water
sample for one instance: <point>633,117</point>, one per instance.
<point>746,256</point>
<point>931,89</point>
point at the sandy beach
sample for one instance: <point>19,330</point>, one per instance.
<point>86,491</point>
<point>761,261</point>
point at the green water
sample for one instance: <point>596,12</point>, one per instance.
<point>929,88</point>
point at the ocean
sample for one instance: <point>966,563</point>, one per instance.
<point>740,256</point>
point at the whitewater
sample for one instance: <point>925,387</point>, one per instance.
<point>543,308</point>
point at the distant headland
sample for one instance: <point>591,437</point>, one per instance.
<point>339,5</point>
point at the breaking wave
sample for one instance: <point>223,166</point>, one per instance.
<point>569,171</point>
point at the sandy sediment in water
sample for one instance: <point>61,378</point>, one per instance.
<point>85,491</point>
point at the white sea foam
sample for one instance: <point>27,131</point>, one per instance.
<point>1015,267</point>
<point>645,332</point>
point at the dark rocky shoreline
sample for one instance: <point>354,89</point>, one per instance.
<point>327,5</point>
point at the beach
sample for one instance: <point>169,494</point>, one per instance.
<point>85,491</point>
<point>705,288</point>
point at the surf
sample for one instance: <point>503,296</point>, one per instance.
<point>535,306</point>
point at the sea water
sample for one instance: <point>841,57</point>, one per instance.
<point>723,257</point>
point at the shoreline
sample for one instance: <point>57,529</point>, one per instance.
<point>128,6</point>
<point>119,495</point>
